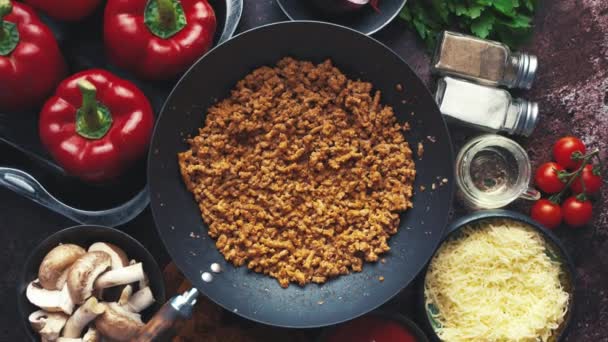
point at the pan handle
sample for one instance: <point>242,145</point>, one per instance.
<point>179,307</point>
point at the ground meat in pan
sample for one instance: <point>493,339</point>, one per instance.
<point>301,173</point>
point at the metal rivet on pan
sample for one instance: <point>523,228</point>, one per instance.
<point>207,277</point>
<point>216,268</point>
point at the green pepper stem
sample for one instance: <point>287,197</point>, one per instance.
<point>89,105</point>
<point>6,7</point>
<point>166,13</point>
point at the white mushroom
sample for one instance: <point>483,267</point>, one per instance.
<point>55,263</point>
<point>69,339</point>
<point>118,323</point>
<point>52,301</point>
<point>119,257</point>
<point>81,317</point>
<point>92,335</point>
<point>83,273</point>
<point>126,293</point>
<point>144,282</point>
<point>141,300</point>
<point>121,276</point>
<point>48,324</point>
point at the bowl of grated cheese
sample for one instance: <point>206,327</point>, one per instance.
<point>499,276</point>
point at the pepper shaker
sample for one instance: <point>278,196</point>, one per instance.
<point>483,61</point>
<point>487,108</point>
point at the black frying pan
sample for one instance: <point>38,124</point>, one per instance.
<point>258,297</point>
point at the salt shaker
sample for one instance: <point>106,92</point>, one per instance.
<point>486,108</point>
<point>483,61</point>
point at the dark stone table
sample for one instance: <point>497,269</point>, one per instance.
<point>571,40</point>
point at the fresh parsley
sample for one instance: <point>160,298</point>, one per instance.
<point>508,21</point>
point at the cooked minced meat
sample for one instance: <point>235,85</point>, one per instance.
<point>301,173</point>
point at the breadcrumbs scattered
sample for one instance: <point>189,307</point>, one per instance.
<point>383,261</point>
<point>433,186</point>
<point>399,87</point>
<point>444,181</point>
<point>406,126</point>
<point>431,138</point>
<point>422,188</point>
<point>301,173</point>
<point>381,278</point>
<point>420,150</point>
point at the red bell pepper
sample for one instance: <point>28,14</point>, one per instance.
<point>158,39</point>
<point>31,64</point>
<point>96,125</point>
<point>67,10</point>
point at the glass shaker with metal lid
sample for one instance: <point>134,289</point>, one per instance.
<point>483,61</point>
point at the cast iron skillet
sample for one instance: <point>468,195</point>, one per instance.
<point>258,297</point>
<point>85,236</point>
<point>553,243</point>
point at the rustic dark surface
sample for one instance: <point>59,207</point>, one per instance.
<point>571,40</point>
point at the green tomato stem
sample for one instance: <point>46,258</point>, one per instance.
<point>167,14</point>
<point>574,175</point>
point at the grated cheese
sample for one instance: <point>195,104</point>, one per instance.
<point>496,283</point>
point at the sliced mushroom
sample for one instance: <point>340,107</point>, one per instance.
<point>83,273</point>
<point>118,323</point>
<point>52,301</point>
<point>126,293</point>
<point>55,263</point>
<point>119,257</point>
<point>121,276</point>
<point>144,282</point>
<point>48,324</point>
<point>82,316</point>
<point>62,278</point>
<point>92,335</point>
<point>141,300</point>
<point>69,339</point>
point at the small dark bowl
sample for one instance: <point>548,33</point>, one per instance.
<point>555,250</point>
<point>409,325</point>
<point>365,20</point>
<point>85,236</point>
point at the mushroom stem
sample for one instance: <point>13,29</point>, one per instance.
<point>53,301</point>
<point>121,276</point>
<point>141,300</point>
<point>69,339</point>
<point>83,315</point>
<point>126,293</point>
<point>83,273</point>
<point>91,335</point>
<point>48,324</point>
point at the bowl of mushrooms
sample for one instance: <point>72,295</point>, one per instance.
<point>88,282</point>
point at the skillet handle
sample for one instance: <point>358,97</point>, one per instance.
<point>179,307</point>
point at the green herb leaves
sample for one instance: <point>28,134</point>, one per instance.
<point>509,21</point>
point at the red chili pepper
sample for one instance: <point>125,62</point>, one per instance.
<point>96,125</point>
<point>68,10</point>
<point>158,39</point>
<point>31,64</point>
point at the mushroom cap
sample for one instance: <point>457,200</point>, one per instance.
<point>83,273</point>
<point>56,262</point>
<point>119,257</point>
<point>118,323</point>
<point>52,301</point>
<point>48,324</point>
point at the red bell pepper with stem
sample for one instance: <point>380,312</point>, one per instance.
<point>96,125</point>
<point>158,39</point>
<point>31,64</point>
<point>66,10</point>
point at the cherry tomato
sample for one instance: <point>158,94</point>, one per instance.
<point>546,178</point>
<point>547,213</point>
<point>563,150</point>
<point>593,182</point>
<point>577,213</point>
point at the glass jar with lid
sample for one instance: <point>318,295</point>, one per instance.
<point>483,61</point>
